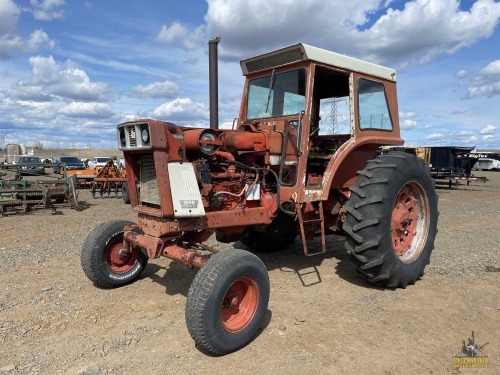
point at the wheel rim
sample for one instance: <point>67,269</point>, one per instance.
<point>239,304</point>
<point>410,222</point>
<point>116,262</point>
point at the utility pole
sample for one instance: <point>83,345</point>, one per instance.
<point>334,115</point>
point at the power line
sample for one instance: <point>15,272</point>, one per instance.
<point>334,115</point>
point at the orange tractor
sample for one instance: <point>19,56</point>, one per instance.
<point>272,178</point>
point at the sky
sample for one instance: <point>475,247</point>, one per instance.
<point>71,70</point>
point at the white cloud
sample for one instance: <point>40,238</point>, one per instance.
<point>47,10</point>
<point>441,27</point>
<point>422,31</point>
<point>169,34</point>
<point>86,110</point>
<point>407,115</point>
<point>182,109</point>
<point>9,14</point>
<point>492,69</point>
<point>487,83</point>
<point>458,138</point>
<point>226,125</point>
<point>11,42</point>
<point>436,136</point>
<point>408,124</point>
<point>51,78</point>
<point>167,89</point>
<point>176,31</point>
<point>37,40</point>
<point>488,130</point>
<point>462,73</point>
<point>124,117</point>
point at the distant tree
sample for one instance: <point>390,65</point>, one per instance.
<point>38,145</point>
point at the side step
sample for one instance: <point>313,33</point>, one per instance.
<point>318,218</point>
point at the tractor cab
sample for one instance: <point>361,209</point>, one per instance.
<point>326,106</point>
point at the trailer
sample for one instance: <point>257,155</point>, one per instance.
<point>486,161</point>
<point>446,163</point>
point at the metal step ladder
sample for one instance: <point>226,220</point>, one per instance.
<point>318,218</point>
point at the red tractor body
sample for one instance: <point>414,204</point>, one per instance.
<point>274,176</point>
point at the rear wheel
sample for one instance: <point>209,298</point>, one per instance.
<point>227,301</point>
<point>103,260</point>
<point>391,220</point>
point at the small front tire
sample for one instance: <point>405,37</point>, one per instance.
<point>102,260</point>
<point>227,301</point>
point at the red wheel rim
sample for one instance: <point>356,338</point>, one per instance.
<point>116,262</point>
<point>239,304</point>
<point>410,222</point>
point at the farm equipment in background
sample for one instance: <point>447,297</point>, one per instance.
<point>108,179</point>
<point>35,192</point>
<point>101,180</point>
<point>83,177</point>
<point>270,179</point>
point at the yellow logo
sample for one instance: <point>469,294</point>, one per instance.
<point>471,355</point>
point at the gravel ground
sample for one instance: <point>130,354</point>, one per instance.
<point>322,317</point>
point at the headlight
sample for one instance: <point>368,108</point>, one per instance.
<point>145,136</point>
<point>207,148</point>
<point>204,140</point>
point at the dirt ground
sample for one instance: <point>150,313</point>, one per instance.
<point>322,317</point>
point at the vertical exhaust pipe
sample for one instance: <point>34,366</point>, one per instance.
<point>213,82</point>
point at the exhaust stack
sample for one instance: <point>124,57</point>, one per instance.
<point>213,82</point>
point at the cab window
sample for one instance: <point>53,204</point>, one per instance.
<point>278,94</point>
<point>372,104</point>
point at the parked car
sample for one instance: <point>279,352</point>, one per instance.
<point>97,161</point>
<point>72,162</point>
<point>30,165</point>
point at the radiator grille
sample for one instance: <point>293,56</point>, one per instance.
<point>135,135</point>
<point>132,136</point>
<point>149,183</point>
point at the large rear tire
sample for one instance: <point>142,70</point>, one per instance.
<point>227,301</point>
<point>102,260</point>
<point>391,220</point>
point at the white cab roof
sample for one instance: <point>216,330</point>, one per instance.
<point>302,52</point>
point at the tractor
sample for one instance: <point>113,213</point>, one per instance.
<point>273,177</point>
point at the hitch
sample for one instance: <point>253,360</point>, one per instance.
<point>186,253</point>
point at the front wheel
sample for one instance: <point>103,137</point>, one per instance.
<point>391,220</point>
<point>103,260</point>
<point>227,301</point>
